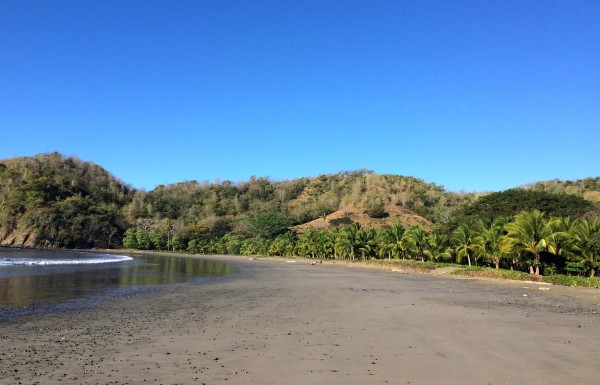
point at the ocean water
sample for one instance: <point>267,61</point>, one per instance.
<point>48,279</point>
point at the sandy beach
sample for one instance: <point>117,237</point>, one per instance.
<point>280,322</point>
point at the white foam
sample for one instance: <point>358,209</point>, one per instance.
<point>96,259</point>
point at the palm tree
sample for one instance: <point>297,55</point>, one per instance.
<point>328,243</point>
<point>342,247</point>
<point>587,244</point>
<point>490,240</point>
<point>465,241</point>
<point>561,241</point>
<point>415,241</point>
<point>302,247</point>
<point>436,246</point>
<point>384,242</point>
<point>531,233</point>
<point>351,233</point>
<point>365,242</point>
<point>280,245</point>
<point>312,242</point>
<point>397,233</point>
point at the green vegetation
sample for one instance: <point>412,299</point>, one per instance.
<point>486,272</point>
<point>53,201</point>
<point>409,264</point>
<point>570,280</point>
<point>528,242</point>
<point>588,188</point>
<point>558,279</point>
<point>510,202</point>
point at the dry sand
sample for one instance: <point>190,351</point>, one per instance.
<point>293,323</point>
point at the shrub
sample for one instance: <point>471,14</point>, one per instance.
<point>375,208</point>
<point>488,272</point>
<point>341,222</point>
<point>570,280</point>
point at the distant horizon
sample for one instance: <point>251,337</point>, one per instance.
<point>473,96</point>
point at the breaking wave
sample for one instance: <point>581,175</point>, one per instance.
<point>93,260</point>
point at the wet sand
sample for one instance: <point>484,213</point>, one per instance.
<point>293,323</point>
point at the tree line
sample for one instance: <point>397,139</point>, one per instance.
<point>529,241</point>
<point>50,200</point>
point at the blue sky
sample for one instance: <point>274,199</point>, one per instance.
<point>472,95</point>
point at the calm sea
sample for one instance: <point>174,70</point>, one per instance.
<point>45,280</point>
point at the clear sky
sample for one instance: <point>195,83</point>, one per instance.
<point>472,95</point>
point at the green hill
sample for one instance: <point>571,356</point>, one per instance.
<point>303,201</point>
<point>50,200</point>
<point>588,188</point>
<point>53,201</point>
<point>510,202</point>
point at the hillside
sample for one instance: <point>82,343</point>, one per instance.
<point>52,201</point>
<point>304,202</point>
<point>510,202</point>
<point>55,201</point>
<point>588,188</point>
<point>353,213</point>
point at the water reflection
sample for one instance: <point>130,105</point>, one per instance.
<point>43,286</point>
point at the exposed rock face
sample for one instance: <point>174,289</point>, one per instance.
<point>18,237</point>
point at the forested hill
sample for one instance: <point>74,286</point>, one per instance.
<point>588,188</point>
<point>54,201</point>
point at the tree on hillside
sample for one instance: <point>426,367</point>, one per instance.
<point>375,207</point>
<point>268,225</point>
<point>510,202</point>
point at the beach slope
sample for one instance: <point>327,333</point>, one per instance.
<point>279,322</point>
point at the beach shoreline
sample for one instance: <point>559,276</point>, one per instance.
<point>279,322</point>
